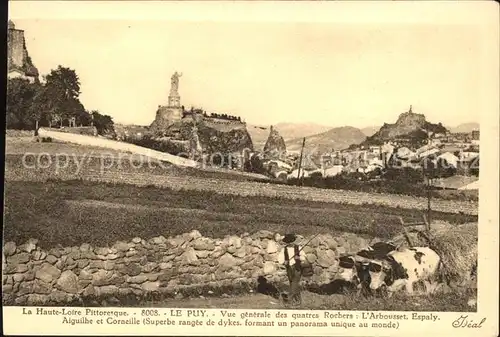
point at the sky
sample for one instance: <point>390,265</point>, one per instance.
<point>299,67</point>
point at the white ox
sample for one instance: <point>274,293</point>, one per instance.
<point>353,265</point>
<point>403,268</point>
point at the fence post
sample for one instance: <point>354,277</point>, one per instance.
<point>300,162</point>
<point>405,232</point>
<point>427,224</point>
<point>428,202</point>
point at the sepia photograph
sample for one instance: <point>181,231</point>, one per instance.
<point>286,174</point>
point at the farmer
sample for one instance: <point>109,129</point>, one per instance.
<point>294,268</point>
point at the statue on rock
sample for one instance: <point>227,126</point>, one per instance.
<point>175,82</point>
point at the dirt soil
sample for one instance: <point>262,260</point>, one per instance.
<point>446,301</point>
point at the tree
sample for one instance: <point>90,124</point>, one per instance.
<point>45,107</point>
<point>83,117</point>
<point>21,110</point>
<point>103,123</point>
<point>66,80</point>
<point>61,95</point>
<point>35,104</point>
<point>445,169</point>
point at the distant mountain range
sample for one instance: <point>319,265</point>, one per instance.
<point>325,138</point>
<point>464,128</point>
<point>333,139</point>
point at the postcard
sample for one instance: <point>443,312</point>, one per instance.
<point>251,168</point>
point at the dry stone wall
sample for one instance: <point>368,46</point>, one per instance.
<point>176,266</point>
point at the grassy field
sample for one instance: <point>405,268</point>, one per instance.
<point>22,145</point>
<point>74,212</point>
<point>68,161</point>
<point>77,159</point>
<point>96,158</point>
<point>79,166</point>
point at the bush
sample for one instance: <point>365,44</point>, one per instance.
<point>404,175</point>
<point>255,165</point>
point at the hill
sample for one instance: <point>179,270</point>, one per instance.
<point>370,130</point>
<point>410,127</point>
<point>465,128</point>
<point>336,138</point>
<point>288,131</point>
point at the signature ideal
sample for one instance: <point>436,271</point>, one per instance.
<point>465,322</point>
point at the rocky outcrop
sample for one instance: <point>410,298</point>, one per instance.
<point>409,126</point>
<point>187,263</point>
<point>210,138</point>
<point>165,117</point>
<point>214,140</point>
<point>275,147</point>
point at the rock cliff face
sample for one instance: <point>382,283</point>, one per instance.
<point>211,138</point>
<point>407,122</point>
<point>165,117</point>
<point>275,145</point>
